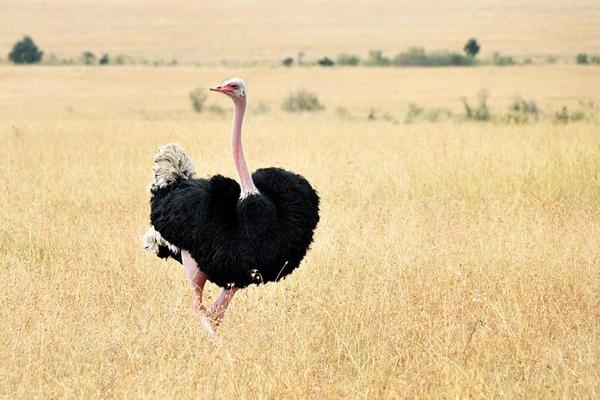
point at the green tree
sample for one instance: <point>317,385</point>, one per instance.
<point>472,47</point>
<point>25,51</point>
<point>582,58</point>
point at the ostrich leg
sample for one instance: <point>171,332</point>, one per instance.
<point>198,279</point>
<point>217,310</point>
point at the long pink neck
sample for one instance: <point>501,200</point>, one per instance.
<point>236,146</point>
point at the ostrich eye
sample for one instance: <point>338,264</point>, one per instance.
<point>234,86</point>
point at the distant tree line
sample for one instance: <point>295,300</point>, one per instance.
<point>26,51</point>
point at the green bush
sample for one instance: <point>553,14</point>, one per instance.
<point>522,111</point>
<point>88,58</point>
<point>411,57</point>
<point>564,116</point>
<point>479,112</point>
<point>595,60</point>
<point>326,62</point>
<point>348,59</point>
<point>119,59</point>
<point>551,59</point>
<point>198,98</point>
<point>104,60</point>
<point>413,114</point>
<point>377,59</point>
<point>582,58</point>
<point>25,51</point>
<point>577,116</point>
<point>416,56</point>
<point>302,100</point>
<point>288,61</point>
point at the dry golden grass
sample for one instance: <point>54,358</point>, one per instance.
<point>452,260</point>
<point>211,31</point>
<point>162,93</point>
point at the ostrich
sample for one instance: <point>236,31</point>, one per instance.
<point>231,234</point>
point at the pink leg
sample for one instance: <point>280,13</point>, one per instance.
<point>198,279</point>
<point>217,310</point>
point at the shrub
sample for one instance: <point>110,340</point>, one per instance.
<point>198,98</point>
<point>499,59</point>
<point>376,58</point>
<point>564,116</point>
<point>577,116</point>
<point>472,48</point>
<point>325,62</point>
<point>119,59</point>
<point>104,60</point>
<point>302,100</point>
<point>526,107</point>
<point>288,61</point>
<point>522,111</point>
<point>445,58</point>
<point>595,60</point>
<point>416,56</point>
<point>25,51</point>
<point>411,57</point>
<point>348,59</point>
<point>551,59</point>
<point>481,111</point>
<point>413,114</point>
<point>88,58</point>
<point>582,58</point>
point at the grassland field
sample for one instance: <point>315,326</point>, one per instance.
<point>453,259</point>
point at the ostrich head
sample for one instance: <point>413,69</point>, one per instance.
<point>234,88</point>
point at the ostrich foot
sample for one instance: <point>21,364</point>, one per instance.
<point>217,310</point>
<point>203,319</point>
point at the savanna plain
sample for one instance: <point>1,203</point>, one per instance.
<point>454,259</point>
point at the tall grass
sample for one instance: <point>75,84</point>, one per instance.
<point>451,261</point>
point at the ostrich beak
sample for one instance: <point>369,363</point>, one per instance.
<point>220,89</point>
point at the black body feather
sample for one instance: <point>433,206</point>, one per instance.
<point>260,238</point>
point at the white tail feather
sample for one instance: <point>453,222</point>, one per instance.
<point>170,163</point>
<point>152,241</point>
